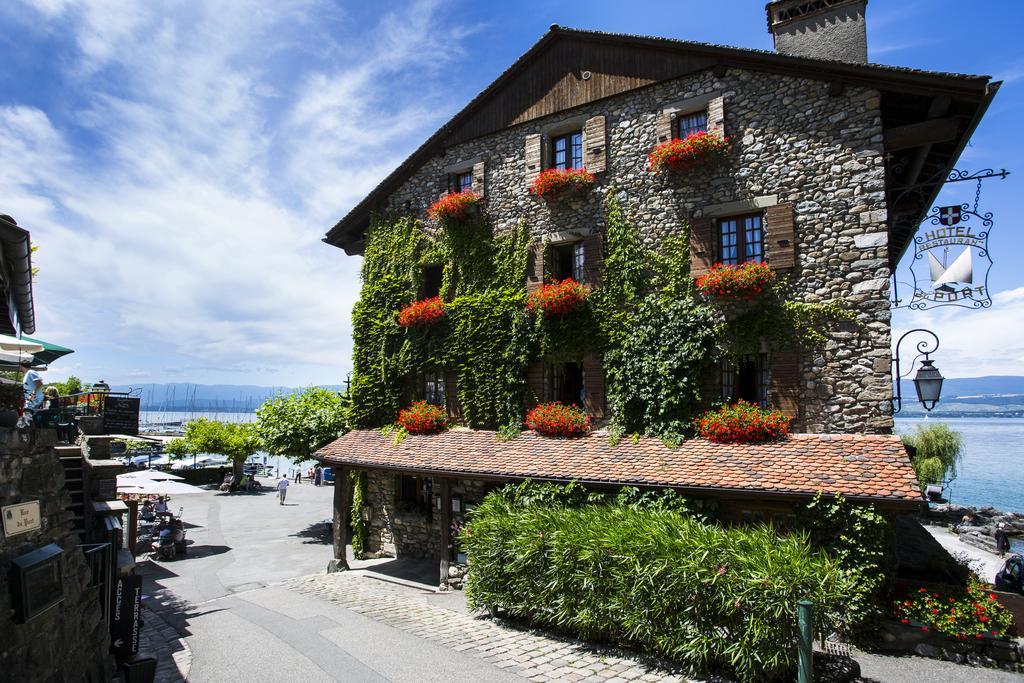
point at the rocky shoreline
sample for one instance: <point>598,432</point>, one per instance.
<point>980,532</point>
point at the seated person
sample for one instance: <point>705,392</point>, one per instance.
<point>228,480</point>
<point>161,506</point>
<point>147,513</point>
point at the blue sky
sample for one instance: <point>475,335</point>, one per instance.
<point>178,162</point>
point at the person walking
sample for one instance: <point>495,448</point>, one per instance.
<point>33,385</point>
<point>298,475</point>
<point>282,490</point>
<point>1002,540</point>
<point>318,475</point>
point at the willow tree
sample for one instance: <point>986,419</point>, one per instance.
<point>937,452</point>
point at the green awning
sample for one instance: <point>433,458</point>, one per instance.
<point>50,352</point>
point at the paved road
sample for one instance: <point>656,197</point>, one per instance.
<point>238,628</point>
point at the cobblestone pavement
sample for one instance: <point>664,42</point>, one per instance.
<point>161,640</point>
<point>531,654</point>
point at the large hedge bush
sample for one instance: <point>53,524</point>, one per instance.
<point>708,596</point>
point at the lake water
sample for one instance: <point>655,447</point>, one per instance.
<point>992,469</point>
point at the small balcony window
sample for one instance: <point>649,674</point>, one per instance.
<point>746,379</point>
<point>688,124</point>
<point>463,181</point>
<point>566,261</point>
<point>564,382</point>
<point>434,388</point>
<point>741,239</point>
<point>567,151</point>
<point>432,278</point>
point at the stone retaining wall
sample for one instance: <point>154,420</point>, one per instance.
<point>990,652</point>
<point>792,143</point>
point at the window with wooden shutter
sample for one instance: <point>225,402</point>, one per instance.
<point>784,392</point>
<point>702,245</point>
<point>535,267</point>
<point>663,127</point>
<point>595,145</point>
<point>593,387</point>
<point>593,260</point>
<point>452,395</point>
<point>446,184</point>
<point>478,178</point>
<point>780,236</point>
<point>534,393</point>
<point>716,116</point>
<point>534,156</point>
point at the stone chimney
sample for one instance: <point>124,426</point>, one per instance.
<point>821,29</point>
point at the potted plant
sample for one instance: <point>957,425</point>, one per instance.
<point>422,313</point>
<point>558,419</point>
<point>558,299</point>
<point>743,282</point>
<point>742,422</point>
<point>423,418</point>
<point>684,154</point>
<point>554,183</point>
<point>455,206</point>
<point>963,614</point>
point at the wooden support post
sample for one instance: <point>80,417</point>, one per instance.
<point>342,510</point>
<point>446,528</point>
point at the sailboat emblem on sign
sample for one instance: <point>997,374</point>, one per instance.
<point>960,271</point>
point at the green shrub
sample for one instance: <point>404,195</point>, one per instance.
<point>656,579</point>
<point>938,452</point>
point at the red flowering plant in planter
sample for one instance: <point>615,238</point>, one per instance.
<point>743,282</point>
<point>558,419</point>
<point>422,313</point>
<point>970,613</point>
<point>556,183</point>
<point>559,298</point>
<point>693,151</point>
<point>423,418</point>
<point>454,206</point>
<point>742,422</point>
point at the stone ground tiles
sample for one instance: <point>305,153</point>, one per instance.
<point>531,654</point>
<point>159,639</point>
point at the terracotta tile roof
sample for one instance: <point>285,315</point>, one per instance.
<point>856,465</point>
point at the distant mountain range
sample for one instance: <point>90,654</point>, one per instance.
<point>206,398</point>
<point>991,396</point>
<point>994,395</point>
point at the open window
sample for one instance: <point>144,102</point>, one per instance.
<point>564,382</point>
<point>566,261</point>
<point>432,278</point>
<point>746,379</point>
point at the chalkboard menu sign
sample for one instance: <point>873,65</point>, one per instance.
<point>121,415</point>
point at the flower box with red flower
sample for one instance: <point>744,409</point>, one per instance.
<point>423,313</point>
<point>970,613</point>
<point>742,422</point>
<point>556,183</point>
<point>455,206</point>
<point>423,418</point>
<point>693,151</point>
<point>559,298</point>
<point>730,283</point>
<point>557,419</point>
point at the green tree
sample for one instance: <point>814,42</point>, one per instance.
<point>937,451</point>
<point>72,385</point>
<point>297,425</point>
<point>237,441</point>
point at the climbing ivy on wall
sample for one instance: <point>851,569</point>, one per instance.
<point>359,525</point>
<point>658,338</point>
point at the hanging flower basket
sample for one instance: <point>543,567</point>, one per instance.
<point>559,298</point>
<point>742,422</point>
<point>455,206</point>
<point>744,282</point>
<point>423,418</point>
<point>558,419</point>
<point>685,154</point>
<point>423,313</point>
<point>555,184</point>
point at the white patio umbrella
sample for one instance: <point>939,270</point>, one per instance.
<point>8,344</point>
<point>157,488</point>
<point>148,475</point>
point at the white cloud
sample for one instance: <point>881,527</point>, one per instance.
<point>972,342</point>
<point>186,241</point>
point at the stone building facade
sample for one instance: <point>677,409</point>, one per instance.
<point>795,146</point>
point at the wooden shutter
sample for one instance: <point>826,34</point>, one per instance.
<point>451,391</point>
<point>478,178</point>
<point>716,116</point>
<point>702,245</point>
<point>534,148</point>
<point>535,266</point>
<point>663,127</point>
<point>595,145</point>
<point>784,388</point>
<point>593,387</point>
<point>780,236</point>
<point>445,184</point>
<point>534,393</point>
<point>593,260</point>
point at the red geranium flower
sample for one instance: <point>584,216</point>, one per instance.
<point>557,419</point>
<point>695,150</point>
<point>423,418</point>
<point>453,206</point>
<point>421,313</point>
<point>742,422</point>
<point>554,183</point>
<point>558,299</point>
<point>743,282</point>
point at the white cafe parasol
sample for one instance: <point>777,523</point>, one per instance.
<point>143,487</point>
<point>147,475</point>
<point>9,344</point>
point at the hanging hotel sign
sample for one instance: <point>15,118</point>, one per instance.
<point>951,259</point>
